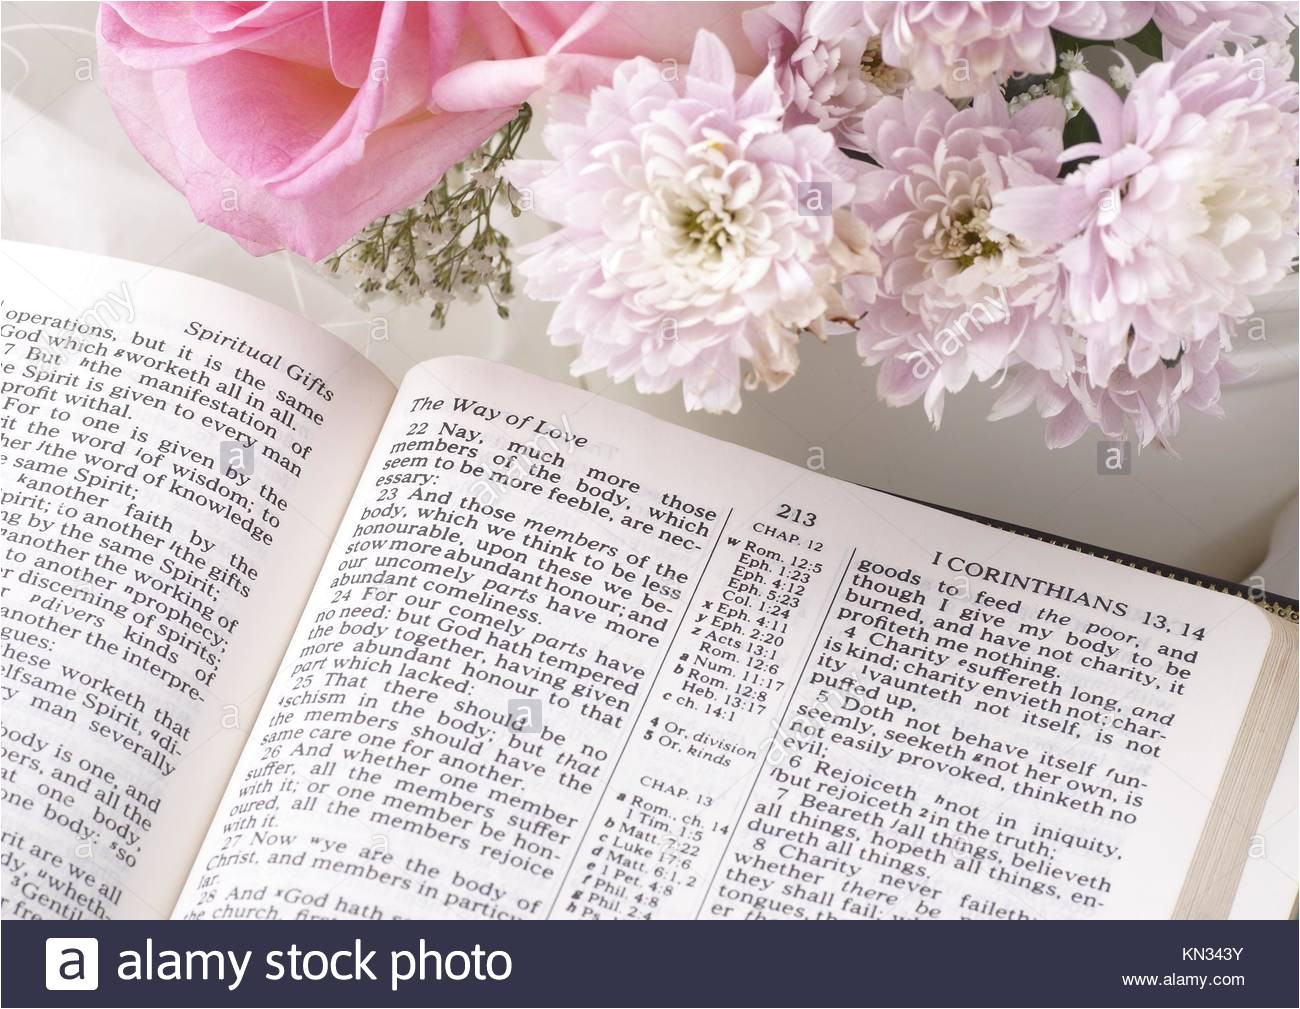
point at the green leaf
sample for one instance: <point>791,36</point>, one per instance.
<point>1079,130</point>
<point>1148,40</point>
<point>1064,42</point>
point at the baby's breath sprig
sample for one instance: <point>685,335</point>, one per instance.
<point>1056,84</point>
<point>445,248</point>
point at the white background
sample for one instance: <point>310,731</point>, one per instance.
<point>71,178</point>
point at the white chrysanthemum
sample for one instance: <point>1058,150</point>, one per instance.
<point>695,234</point>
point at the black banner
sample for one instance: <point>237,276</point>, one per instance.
<point>650,963</point>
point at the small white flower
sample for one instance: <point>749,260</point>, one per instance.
<point>1122,77</point>
<point>1071,61</point>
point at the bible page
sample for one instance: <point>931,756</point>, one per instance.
<point>566,661</point>
<point>176,458</point>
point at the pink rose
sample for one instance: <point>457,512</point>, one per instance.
<point>297,124</point>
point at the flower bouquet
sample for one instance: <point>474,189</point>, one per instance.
<point>1078,203</point>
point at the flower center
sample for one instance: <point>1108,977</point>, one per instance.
<point>705,213</point>
<point>965,239</point>
<point>704,223</point>
<point>890,80</point>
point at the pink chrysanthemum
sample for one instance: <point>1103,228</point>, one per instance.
<point>1188,211</point>
<point>959,297</point>
<point>961,48</point>
<point>828,62</point>
<point>1147,406</point>
<point>1181,21</point>
<point>695,234</point>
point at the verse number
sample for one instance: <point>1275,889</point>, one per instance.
<point>1159,622</point>
<point>796,515</point>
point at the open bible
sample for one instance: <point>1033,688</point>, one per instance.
<point>280,640</point>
